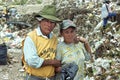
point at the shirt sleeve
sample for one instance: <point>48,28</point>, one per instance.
<point>86,54</point>
<point>58,54</point>
<point>30,54</point>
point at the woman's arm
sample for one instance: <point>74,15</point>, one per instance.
<point>86,45</point>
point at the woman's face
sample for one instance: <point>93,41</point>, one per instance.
<point>69,35</point>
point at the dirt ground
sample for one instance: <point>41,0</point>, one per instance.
<point>13,69</point>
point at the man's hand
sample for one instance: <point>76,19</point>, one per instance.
<point>56,63</point>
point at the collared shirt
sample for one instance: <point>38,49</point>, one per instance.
<point>30,52</point>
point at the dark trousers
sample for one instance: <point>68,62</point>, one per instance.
<point>106,19</point>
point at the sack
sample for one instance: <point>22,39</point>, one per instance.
<point>3,54</point>
<point>68,72</point>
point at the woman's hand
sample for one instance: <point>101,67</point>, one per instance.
<point>58,69</point>
<point>83,40</point>
<point>80,39</point>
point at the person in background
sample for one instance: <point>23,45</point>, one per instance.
<point>12,11</point>
<point>68,51</point>
<point>5,13</point>
<point>106,12</point>
<point>39,47</point>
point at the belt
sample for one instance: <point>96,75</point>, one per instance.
<point>38,78</point>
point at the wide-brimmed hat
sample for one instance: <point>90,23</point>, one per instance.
<point>67,23</point>
<point>48,12</point>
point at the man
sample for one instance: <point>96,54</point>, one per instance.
<point>106,12</point>
<point>39,47</point>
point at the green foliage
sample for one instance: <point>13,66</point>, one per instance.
<point>20,2</point>
<point>39,1</point>
<point>1,3</point>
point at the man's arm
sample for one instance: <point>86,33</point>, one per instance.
<point>33,59</point>
<point>30,54</point>
<point>55,63</point>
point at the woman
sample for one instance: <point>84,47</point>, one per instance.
<point>68,51</point>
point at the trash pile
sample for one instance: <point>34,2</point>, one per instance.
<point>12,38</point>
<point>105,43</point>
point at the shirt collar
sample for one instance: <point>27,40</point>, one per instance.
<point>39,33</point>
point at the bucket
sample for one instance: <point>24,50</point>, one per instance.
<point>3,54</point>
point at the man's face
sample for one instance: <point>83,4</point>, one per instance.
<point>47,26</point>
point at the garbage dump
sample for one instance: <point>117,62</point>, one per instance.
<point>105,43</point>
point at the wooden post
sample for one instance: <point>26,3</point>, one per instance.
<point>118,18</point>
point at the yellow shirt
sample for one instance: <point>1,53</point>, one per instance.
<point>46,49</point>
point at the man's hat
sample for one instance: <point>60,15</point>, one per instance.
<point>48,12</point>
